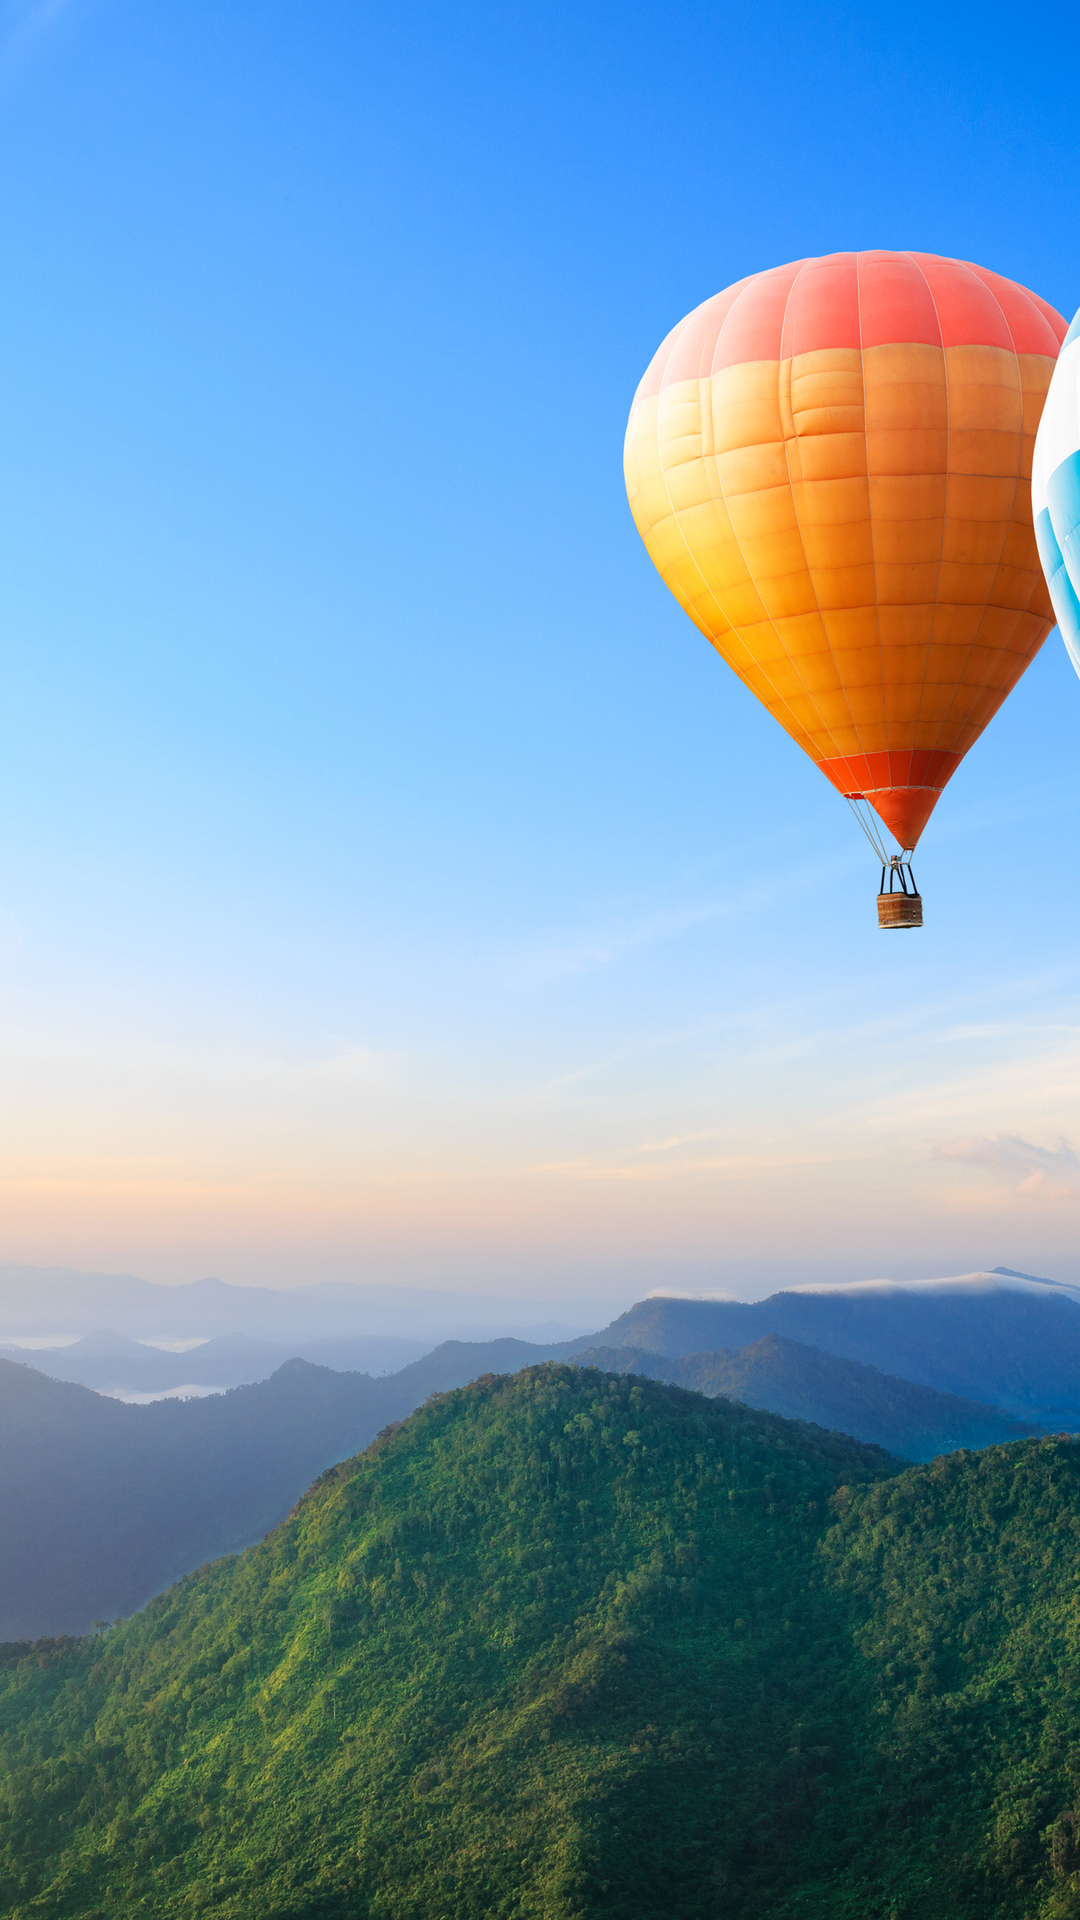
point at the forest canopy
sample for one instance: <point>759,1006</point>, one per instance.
<point>569,1643</point>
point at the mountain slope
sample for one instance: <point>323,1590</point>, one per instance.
<point>569,1645</point>
<point>539,1652</point>
<point>1017,1350</point>
<point>804,1383</point>
<point>965,1577</point>
<point>102,1505</point>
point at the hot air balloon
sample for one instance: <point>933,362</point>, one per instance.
<point>829,464</point>
<point>1055,491</point>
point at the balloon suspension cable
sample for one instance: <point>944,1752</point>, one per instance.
<point>900,903</point>
<point>866,822</point>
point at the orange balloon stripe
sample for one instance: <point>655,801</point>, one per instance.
<point>849,520</point>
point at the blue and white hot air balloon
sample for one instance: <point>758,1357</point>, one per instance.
<point>1055,490</point>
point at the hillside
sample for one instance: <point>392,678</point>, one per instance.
<point>1016,1350</point>
<point>102,1505</point>
<point>571,1644</point>
<point>803,1383</point>
<point>555,1647</point>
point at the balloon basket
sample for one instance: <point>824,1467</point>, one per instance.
<point>899,910</point>
<point>899,905</point>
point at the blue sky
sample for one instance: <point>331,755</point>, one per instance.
<point>393,884</point>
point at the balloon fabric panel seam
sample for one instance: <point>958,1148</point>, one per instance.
<point>945,506</point>
<point>728,624</point>
<point>870,509</point>
<point>826,728</point>
<point>780,698</point>
<point>1011,521</point>
<point>795,505</point>
<point>662,466</point>
<point>1015,480</point>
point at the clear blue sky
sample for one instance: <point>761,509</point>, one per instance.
<point>393,884</point>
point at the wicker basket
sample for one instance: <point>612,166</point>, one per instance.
<point>899,909</point>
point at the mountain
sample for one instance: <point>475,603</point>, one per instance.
<point>510,1661</point>
<point>39,1301</point>
<point>111,1363</point>
<point>569,1645</point>
<point>455,1362</point>
<point>987,1338</point>
<point>804,1383</point>
<point>102,1504</point>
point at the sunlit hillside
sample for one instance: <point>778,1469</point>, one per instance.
<point>572,1643</point>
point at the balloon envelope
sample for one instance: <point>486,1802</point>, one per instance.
<point>1055,491</point>
<point>830,464</point>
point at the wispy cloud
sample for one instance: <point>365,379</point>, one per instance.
<point>1021,1164</point>
<point>583,950</point>
<point>623,928</point>
<point>737,1168</point>
<point>678,1140</point>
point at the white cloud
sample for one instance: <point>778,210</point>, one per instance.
<point>679,1140</point>
<point>1018,1163</point>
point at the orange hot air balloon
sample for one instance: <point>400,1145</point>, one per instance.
<point>830,464</point>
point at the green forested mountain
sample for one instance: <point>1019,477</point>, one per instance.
<point>102,1505</point>
<point>570,1644</point>
<point>804,1383</point>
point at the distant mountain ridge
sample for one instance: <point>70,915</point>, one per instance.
<point>111,1362</point>
<point>36,1301</point>
<point>1016,1349</point>
<point>102,1505</point>
<point>805,1383</point>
